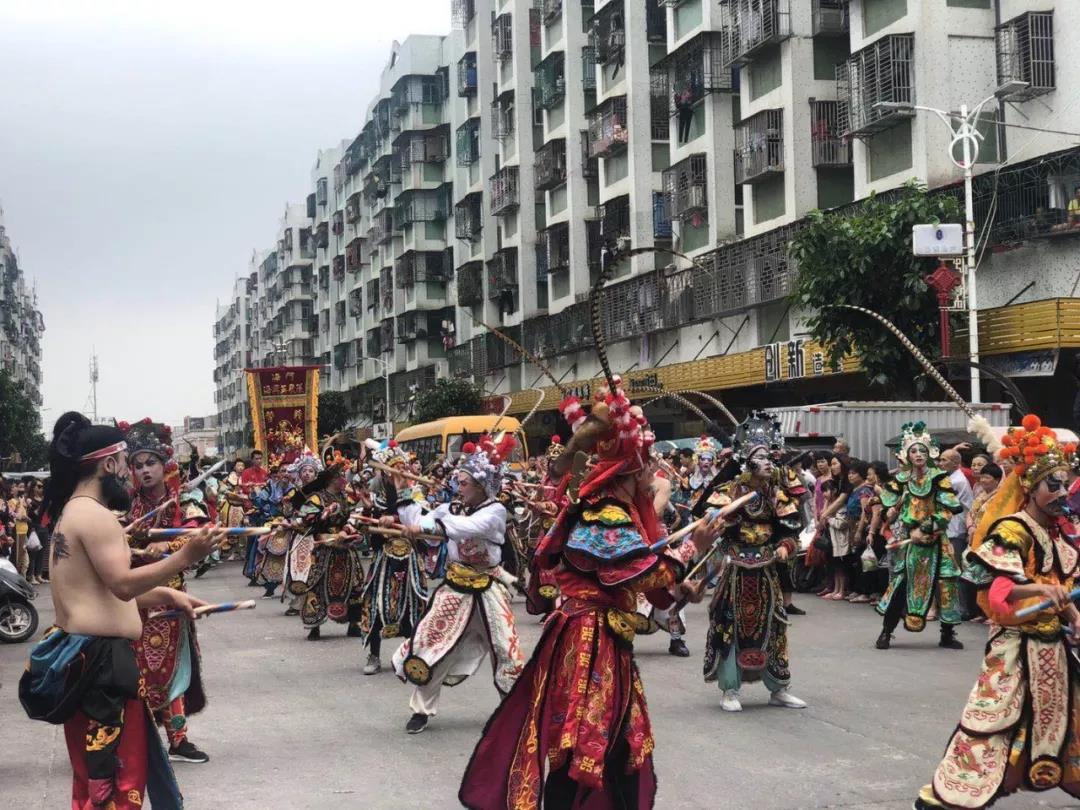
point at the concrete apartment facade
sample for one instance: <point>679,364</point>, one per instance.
<point>503,167</point>
<point>22,326</point>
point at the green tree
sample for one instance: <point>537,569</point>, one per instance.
<point>864,258</point>
<point>449,396</point>
<point>22,446</point>
<point>334,412</point>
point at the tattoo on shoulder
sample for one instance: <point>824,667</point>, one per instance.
<point>61,547</point>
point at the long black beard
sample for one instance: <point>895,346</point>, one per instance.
<point>115,493</point>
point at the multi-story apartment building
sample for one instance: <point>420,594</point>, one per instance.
<point>503,167</point>
<point>21,322</point>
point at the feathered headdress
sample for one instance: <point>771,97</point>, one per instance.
<point>1035,451</point>
<point>617,429</point>
<point>914,434</point>
<point>484,461</point>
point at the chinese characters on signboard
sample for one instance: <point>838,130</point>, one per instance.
<point>787,361</point>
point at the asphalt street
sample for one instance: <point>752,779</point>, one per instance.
<point>294,724</point>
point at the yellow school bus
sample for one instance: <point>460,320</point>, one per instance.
<point>445,437</point>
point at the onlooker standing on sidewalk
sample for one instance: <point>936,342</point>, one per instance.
<point>39,527</point>
<point>17,507</point>
<point>957,529</point>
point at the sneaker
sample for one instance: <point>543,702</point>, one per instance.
<point>417,723</point>
<point>269,592</point>
<point>883,640</point>
<point>314,634</point>
<point>252,583</point>
<point>791,610</point>
<point>730,701</point>
<point>373,665</point>
<point>950,642</point>
<point>186,751</point>
<point>786,700</point>
<point>677,647</point>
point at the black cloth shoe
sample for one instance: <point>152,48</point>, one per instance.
<point>417,723</point>
<point>292,612</point>
<point>252,583</point>
<point>882,642</point>
<point>948,638</point>
<point>314,634</point>
<point>187,752</point>
<point>270,588</point>
<point>678,648</point>
<point>791,610</point>
<point>354,631</point>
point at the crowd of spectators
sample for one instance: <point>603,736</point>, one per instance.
<point>24,532</point>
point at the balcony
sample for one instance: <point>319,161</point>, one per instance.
<point>311,207</point>
<point>555,245</point>
<point>830,18</point>
<point>352,208</point>
<point>661,217</point>
<point>880,74</point>
<point>469,217</point>
<point>354,255</point>
<point>462,12</point>
<point>386,336</point>
<point>1025,53</point>
<point>503,279</point>
<point>321,190</point>
<point>372,292</point>
<point>386,287</point>
<point>607,34</point>
<point>753,25</point>
<point>470,284</point>
<point>549,80</point>
<point>382,227</point>
<point>590,166</point>
<point>502,38</point>
<point>588,69</point>
<point>615,220</point>
<point>338,265</point>
<point>607,128</point>
<point>503,187</point>
<point>419,147</point>
<point>550,164</point>
<point>337,223</point>
<point>828,148</point>
<point>356,303</point>
<point>759,146</point>
<point>468,142</point>
<point>419,206</point>
<point>697,69</point>
<point>419,267</point>
<point>415,90</point>
<point>685,189</point>
<point>466,75</point>
<point>502,116</point>
<point>322,235</point>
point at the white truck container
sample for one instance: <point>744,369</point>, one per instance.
<point>866,426</point>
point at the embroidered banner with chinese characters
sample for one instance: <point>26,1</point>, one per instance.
<point>284,410</point>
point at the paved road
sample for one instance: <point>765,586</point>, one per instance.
<point>294,724</point>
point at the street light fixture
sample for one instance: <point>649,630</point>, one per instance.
<point>968,136</point>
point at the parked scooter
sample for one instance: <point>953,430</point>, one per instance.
<point>18,616</point>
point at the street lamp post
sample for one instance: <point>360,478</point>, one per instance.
<point>385,364</point>
<point>969,137</point>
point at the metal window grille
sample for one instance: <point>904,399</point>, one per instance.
<point>419,206</point>
<point>550,162</point>
<point>503,186</point>
<point>502,38</point>
<point>322,235</point>
<point>697,69</point>
<point>830,17</point>
<point>588,69</point>
<point>417,266</point>
<point>590,168</point>
<point>320,191</point>
<point>356,303</point>
<point>656,22</point>
<point>461,12</point>
<point>550,10</point>
<point>661,214</point>
<point>1025,53</point>
<point>685,188</point>
<point>352,208</point>
<point>754,24</point>
<point>466,75</point>
<point>759,146</point>
<point>659,118</point>
<point>615,219</point>
<point>416,90</point>
<point>469,217</point>
<point>502,116</point>
<point>503,279</point>
<point>354,253</point>
<point>549,79</point>
<point>337,223</point>
<point>373,295</point>
<point>828,147</point>
<point>607,34</point>
<point>382,227</point>
<point>386,337</point>
<point>459,359</point>
<point>607,127</point>
<point>555,244</point>
<point>468,142</point>
<point>541,256</point>
<point>311,207</point>
<point>338,265</point>
<point>881,73</point>
<point>470,284</point>
<point>427,147</point>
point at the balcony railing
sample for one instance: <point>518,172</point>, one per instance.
<point>880,74</point>
<point>469,217</point>
<point>466,75</point>
<point>549,79</point>
<point>828,147</point>
<point>502,116</point>
<point>550,163</point>
<point>555,244</point>
<point>462,12</point>
<point>417,147</point>
<point>337,223</point>
<point>352,208</point>
<point>382,227</point>
<point>607,128</point>
<point>322,235</point>
<point>338,265</point>
<point>386,336</point>
<point>661,216</point>
<point>607,34</point>
<point>372,291</point>
<point>696,69</point>
<point>759,146</point>
<point>590,166</point>
<point>420,266</point>
<point>468,142</point>
<point>588,69</point>
<point>503,279</point>
<point>831,17</point>
<point>753,25</point>
<point>502,38</point>
<point>413,90</point>
<point>354,255</point>
<point>386,287</point>
<point>1025,54</point>
<point>470,284</point>
<point>419,206</point>
<point>615,219</point>
<point>504,191</point>
<point>685,188</point>
<point>356,303</point>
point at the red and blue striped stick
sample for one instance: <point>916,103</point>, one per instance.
<point>1074,594</point>
<point>235,531</point>
<point>206,610</point>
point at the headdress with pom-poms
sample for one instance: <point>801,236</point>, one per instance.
<point>556,448</point>
<point>706,448</point>
<point>148,436</point>
<point>1035,451</point>
<point>485,461</point>
<point>305,459</point>
<point>624,433</point>
<point>760,430</point>
<point>386,452</point>
<point>913,434</point>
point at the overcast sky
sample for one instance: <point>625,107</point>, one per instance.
<point>146,148</point>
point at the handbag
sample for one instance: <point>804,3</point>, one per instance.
<point>33,542</point>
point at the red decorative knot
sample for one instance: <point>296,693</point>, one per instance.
<point>392,443</point>
<point>468,448</point>
<point>556,439</point>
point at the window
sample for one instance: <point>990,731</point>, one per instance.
<point>879,13</point>
<point>1025,54</point>
<point>879,75</point>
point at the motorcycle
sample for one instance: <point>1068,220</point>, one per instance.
<point>18,616</point>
